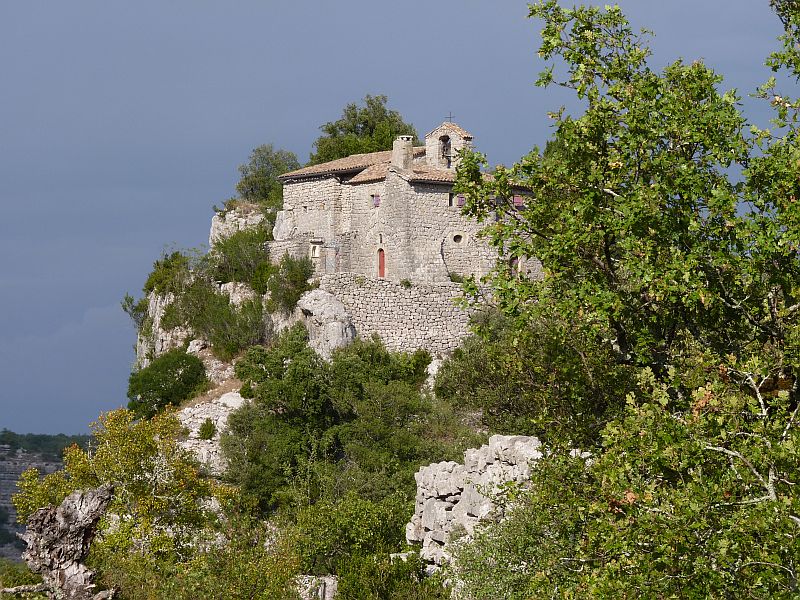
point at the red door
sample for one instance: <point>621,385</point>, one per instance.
<point>381,263</point>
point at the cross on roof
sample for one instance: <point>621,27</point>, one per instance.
<point>450,116</point>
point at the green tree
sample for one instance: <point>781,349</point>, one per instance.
<point>259,177</point>
<point>368,128</point>
<point>668,231</point>
<point>547,379</point>
<point>287,281</point>
<point>169,379</point>
<point>158,490</point>
<point>646,244</point>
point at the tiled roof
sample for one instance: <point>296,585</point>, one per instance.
<point>355,162</point>
<point>371,173</point>
<point>421,173</point>
<point>451,127</point>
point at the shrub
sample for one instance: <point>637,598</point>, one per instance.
<point>207,429</point>
<point>359,423</point>
<point>239,256</point>
<point>547,380</point>
<point>379,577</point>
<point>332,531</point>
<point>169,274</point>
<point>135,309</point>
<point>211,315</point>
<point>406,283</point>
<point>456,277</point>
<point>13,574</point>
<point>289,282</point>
<point>169,379</point>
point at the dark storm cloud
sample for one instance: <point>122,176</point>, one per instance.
<point>122,123</point>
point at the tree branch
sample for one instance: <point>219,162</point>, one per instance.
<point>25,589</point>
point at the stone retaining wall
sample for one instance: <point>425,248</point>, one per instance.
<point>406,318</point>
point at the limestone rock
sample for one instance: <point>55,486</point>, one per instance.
<point>284,226</point>
<point>158,340</point>
<point>238,293</point>
<point>217,410</point>
<point>58,541</point>
<point>243,216</point>
<point>317,588</point>
<point>327,321</point>
<point>452,498</point>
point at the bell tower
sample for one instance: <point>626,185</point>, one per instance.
<point>443,144</point>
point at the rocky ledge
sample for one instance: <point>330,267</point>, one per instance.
<point>452,498</point>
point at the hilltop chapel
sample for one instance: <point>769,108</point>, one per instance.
<point>390,215</point>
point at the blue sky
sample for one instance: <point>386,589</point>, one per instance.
<point>122,124</point>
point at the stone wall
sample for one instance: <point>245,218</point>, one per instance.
<point>418,226</point>
<point>452,498</point>
<point>405,318</point>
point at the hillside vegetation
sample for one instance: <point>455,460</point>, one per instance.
<point>663,342</point>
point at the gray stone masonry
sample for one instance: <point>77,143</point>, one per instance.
<point>405,318</point>
<point>452,498</point>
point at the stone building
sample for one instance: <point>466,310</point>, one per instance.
<point>391,215</point>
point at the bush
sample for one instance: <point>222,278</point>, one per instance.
<point>169,274</point>
<point>13,574</point>
<point>289,282</point>
<point>331,531</point>
<point>359,423</point>
<point>211,316</point>
<point>168,380</point>
<point>239,256</point>
<point>456,277</point>
<point>247,560</point>
<point>135,309</point>
<point>547,380</point>
<point>378,577</point>
<point>207,429</point>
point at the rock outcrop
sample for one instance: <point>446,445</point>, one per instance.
<point>225,224</point>
<point>311,587</point>
<point>156,340</point>
<point>452,498</point>
<point>208,451</point>
<point>328,323</point>
<point>58,541</point>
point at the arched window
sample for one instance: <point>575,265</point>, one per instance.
<point>445,150</point>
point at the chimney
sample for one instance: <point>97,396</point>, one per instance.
<point>403,152</point>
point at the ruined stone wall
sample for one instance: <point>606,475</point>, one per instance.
<point>405,318</point>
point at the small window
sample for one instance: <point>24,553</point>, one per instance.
<point>316,250</point>
<point>519,202</point>
<point>457,238</point>
<point>380,238</point>
<point>305,209</point>
<point>450,199</point>
<point>376,200</point>
<point>460,200</point>
<point>323,206</point>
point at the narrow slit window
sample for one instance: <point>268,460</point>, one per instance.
<point>376,200</point>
